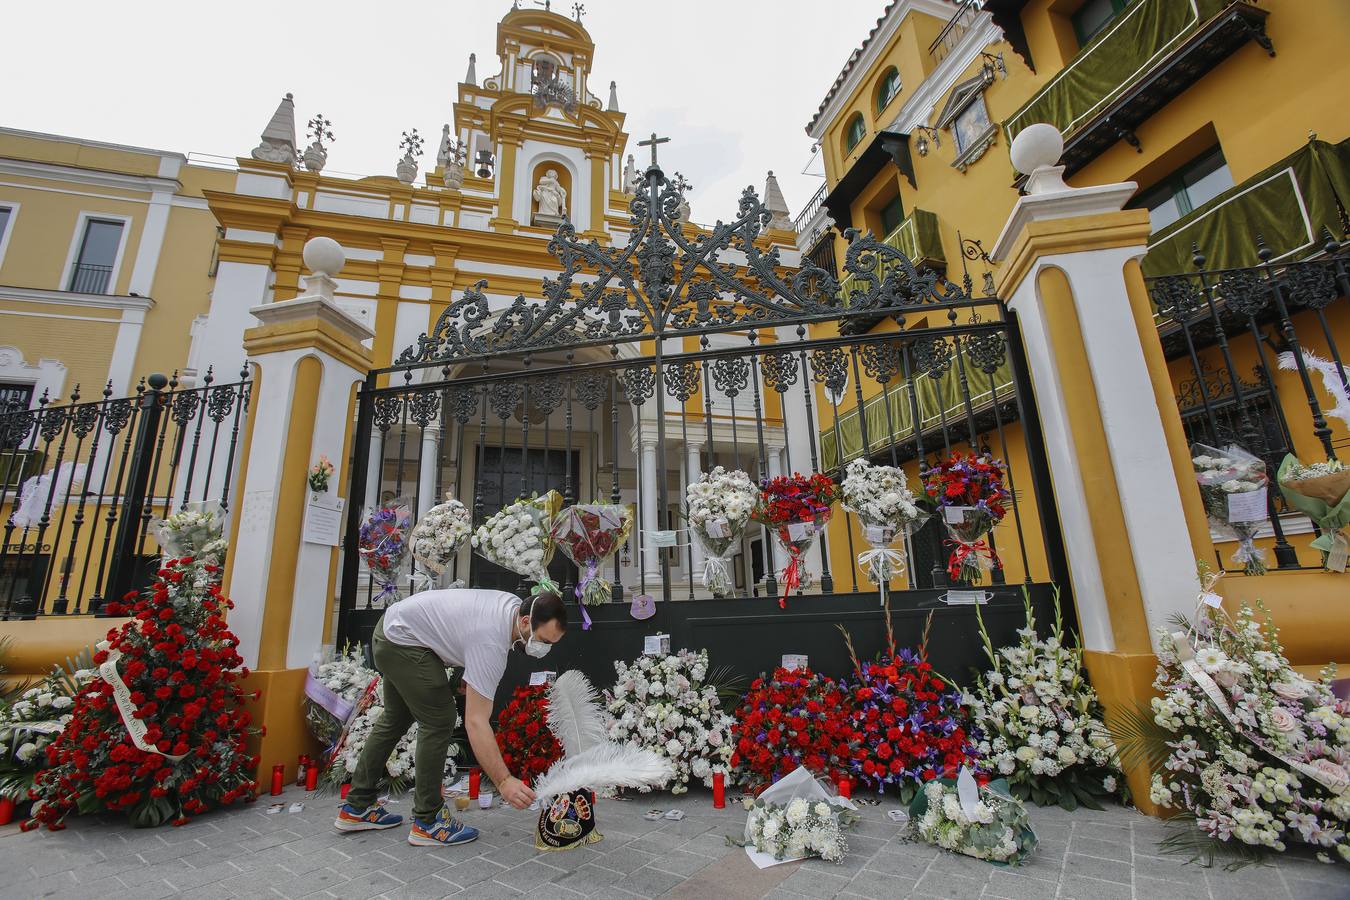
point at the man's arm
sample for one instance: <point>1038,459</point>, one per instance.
<point>477,722</point>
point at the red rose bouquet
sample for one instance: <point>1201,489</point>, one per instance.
<point>588,534</point>
<point>527,744</point>
<point>969,495</point>
<point>795,508</point>
<point>789,719</point>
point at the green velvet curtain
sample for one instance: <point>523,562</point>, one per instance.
<point>1288,204</point>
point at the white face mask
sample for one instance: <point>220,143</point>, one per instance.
<point>533,646</point>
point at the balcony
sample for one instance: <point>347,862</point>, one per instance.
<point>1150,54</point>
<point>917,237</point>
<point>89,279</point>
<point>1289,204</point>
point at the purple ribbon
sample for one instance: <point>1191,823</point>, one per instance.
<point>592,568</point>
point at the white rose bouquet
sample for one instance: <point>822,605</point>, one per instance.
<point>1042,724</point>
<point>888,510</point>
<point>1233,485</point>
<point>195,531</point>
<point>337,685</point>
<point>32,721</point>
<point>796,818</point>
<point>668,705</point>
<point>992,825</point>
<point>517,537</point>
<point>718,506</point>
<point>439,534</point>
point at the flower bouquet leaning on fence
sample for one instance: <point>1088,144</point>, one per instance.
<point>527,744</point>
<point>985,822</point>
<point>1250,753</point>
<point>667,704</point>
<point>888,510</point>
<point>161,733</point>
<point>795,508</point>
<point>517,537</point>
<point>798,817</point>
<point>968,493</point>
<point>438,535</point>
<point>1233,485</point>
<point>382,544</point>
<point>1321,491</point>
<point>792,718</point>
<point>718,507</point>
<point>333,687</point>
<point>589,534</point>
<point>1042,726</point>
<point>30,722</point>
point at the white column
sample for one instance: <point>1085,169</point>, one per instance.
<point>692,469</point>
<point>374,470</point>
<point>647,490</point>
<point>426,469</point>
<point>777,559</point>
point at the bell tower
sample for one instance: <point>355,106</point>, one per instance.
<point>534,136</point>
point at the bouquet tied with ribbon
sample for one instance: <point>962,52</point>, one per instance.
<point>718,507</point>
<point>962,816</point>
<point>439,534</point>
<point>517,538</point>
<point>382,544</point>
<point>968,493</point>
<point>589,534</point>
<point>795,508</point>
<point>798,817</point>
<point>1233,486</point>
<point>881,499</point>
<point>1321,491</point>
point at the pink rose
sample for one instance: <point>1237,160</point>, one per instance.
<point>1281,719</point>
<point>1331,770</point>
<point>1290,690</point>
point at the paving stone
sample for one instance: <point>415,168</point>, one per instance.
<point>588,879</point>
<point>187,879</point>
<point>1316,890</point>
<point>492,890</point>
<point>953,887</point>
<point>429,888</point>
<point>625,860</point>
<point>710,844</point>
<point>326,857</point>
<point>1080,887</point>
<point>876,885</point>
<point>1007,886</point>
<point>471,871</point>
<point>371,885</point>
<point>1161,889</point>
<point>648,882</point>
<point>513,854</point>
<point>1170,868</point>
<point>528,876</point>
<point>305,885</point>
<point>814,883</point>
<point>1093,867</point>
<point>1105,849</point>
<point>680,863</point>
<point>899,865</point>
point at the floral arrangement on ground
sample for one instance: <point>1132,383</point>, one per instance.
<point>32,721</point>
<point>529,747</point>
<point>794,717</point>
<point>990,824</point>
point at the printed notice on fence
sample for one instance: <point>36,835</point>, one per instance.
<point>323,520</point>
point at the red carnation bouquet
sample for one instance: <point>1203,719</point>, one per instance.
<point>969,495</point>
<point>792,718</point>
<point>795,508</point>
<point>527,744</point>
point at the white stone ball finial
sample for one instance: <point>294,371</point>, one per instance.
<point>1036,147</point>
<point>324,256</point>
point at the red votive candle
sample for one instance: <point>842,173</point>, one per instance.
<point>719,791</point>
<point>278,778</point>
<point>302,770</point>
<point>6,810</point>
<point>475,780</point>
<point>345,789</point>
<point>845,788</point>
<point>311,778</point>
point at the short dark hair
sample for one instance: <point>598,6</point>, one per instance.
<point>546,607</point>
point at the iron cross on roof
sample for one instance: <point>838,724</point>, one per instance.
<point>652,142</point>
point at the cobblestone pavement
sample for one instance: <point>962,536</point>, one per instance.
<point>246,853</point>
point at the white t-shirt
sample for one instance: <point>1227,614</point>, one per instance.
<point>469,628</point>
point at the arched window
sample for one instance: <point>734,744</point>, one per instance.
<point>888,87</point>
<point>856,129</point>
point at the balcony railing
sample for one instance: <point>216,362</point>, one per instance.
<point>1149,54</point>
<point>954,30</point>
<point>918,238</point>
<point>803,220</point>
<point>1290,204</point>
<point>87,279</point>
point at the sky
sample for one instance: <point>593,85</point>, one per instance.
<point>733,83</point>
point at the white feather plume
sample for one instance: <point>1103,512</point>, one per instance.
<point>603,767</point>
<point>1333,380</point>
<point>574,713</point>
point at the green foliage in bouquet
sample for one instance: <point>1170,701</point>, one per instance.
<point>996,830</point>
<point>31,719</point>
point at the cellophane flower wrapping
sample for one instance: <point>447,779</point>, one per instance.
<point>796,508</point>
<point>791,718</point>
<point>996,830</point>
<point>528,746</point>
<point>719,506</point>
<point>799,817</point>
<point>1322,492</point>
<point>439,534</point>
<point>1256,753</point>
<point>1233,486</point>
<point>1041,725</point>
<point>346,674</point>
<point>968,493</point>
<point>30,722</point>
<point>517,537</point>
<point>589,534</point>
<point>382,544</point>
<point>888,510</point>
<point>666,704</point>
<point>196,530</point>
<point>909,726</point>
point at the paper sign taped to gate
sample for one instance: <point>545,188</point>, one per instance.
<point>1248,506</point>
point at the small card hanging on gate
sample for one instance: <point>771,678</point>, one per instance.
<point>643,607</point>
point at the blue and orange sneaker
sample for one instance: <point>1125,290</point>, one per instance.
<point>352,819</point>
<point>443,830</point>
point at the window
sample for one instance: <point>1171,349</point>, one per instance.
<point>98,253</point>
<point>14,397</point>
<point>4,222</point>
<point>1093,16</point>
<point>892,214</point>
<point>856,129</point>
<point>971,125</point>
<point>888,88</point>
<point>1194,184</point>
<point>7,214</point>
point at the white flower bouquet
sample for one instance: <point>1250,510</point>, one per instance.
<point>32,721</point>
<point>718,506</point>
<point>1233,485</point>
<point>1321,491</point>
<point>332,691</point>
<point>1041,723</point>
<point>517,537</point>
<point>667,705</point>
<point>798,817</point>
<point>1254,754</point>
<point>881,499</point>
<point>439,534</point>
<point>988,823</point>
<point>399,767</point>
<point>196,531</point>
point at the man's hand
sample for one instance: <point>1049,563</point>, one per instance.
<point>516,792</point>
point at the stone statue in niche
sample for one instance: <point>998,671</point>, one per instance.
<point>551,197</point>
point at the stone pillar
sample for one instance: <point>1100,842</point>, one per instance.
<point>692,469</point>
<point>374,470</point>
<point>426,469</point>
<point>647,490</point>
<point>307,356</point>
<point>777,558</point>
<point>1131,532</point>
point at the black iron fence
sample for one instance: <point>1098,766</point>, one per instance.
<point>81,482</point>
<point>1256,357</point>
